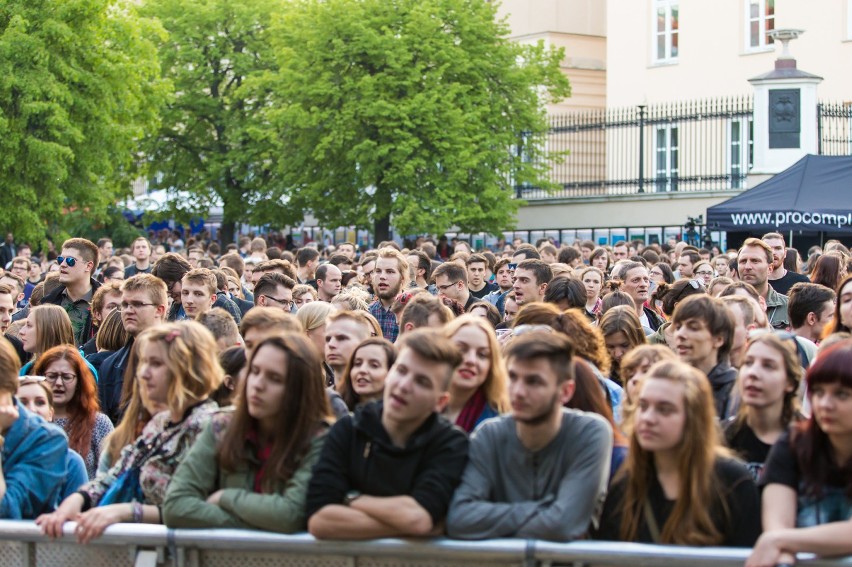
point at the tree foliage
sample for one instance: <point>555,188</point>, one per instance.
<point>410,110</point>
<point>79,85</point>
<point>213,146</point>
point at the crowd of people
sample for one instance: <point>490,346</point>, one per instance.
<point>659,394</point>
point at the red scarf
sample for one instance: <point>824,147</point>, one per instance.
<point>262,457</point>
<point>471,411</point>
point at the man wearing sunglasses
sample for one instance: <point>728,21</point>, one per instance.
<point>77,262</point>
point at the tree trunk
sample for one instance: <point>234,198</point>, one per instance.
<point>226,234</point>
<point>381,229</point>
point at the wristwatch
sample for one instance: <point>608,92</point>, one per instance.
<point>351,496</point>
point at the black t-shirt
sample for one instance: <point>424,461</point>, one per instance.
<point>132,270</point>
<point>486,289</point>
<point>742,440</point>
<point>739,526</point>
<point>831,505</point>
<point>783,285</point>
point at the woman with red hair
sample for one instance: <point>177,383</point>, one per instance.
<point>75,399</point>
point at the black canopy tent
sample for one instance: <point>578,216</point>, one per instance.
<point>813,196</point>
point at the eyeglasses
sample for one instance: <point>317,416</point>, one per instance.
<point>71,262</point>
<point>445,287</point>
<point>134,305</point>
<point>285,302</point>
<point>704,273</point>
<point>66,377</point>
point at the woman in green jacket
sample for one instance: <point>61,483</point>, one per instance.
<point>251,466</point>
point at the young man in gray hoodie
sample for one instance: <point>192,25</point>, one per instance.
<point>540,472</point>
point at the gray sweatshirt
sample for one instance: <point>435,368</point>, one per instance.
<point>554,494</point>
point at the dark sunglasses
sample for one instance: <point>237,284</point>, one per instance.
<point>67,259</point>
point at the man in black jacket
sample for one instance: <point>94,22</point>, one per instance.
<point>77,262</point>
<point>143,305</point>
<point>391,469</point>
<point>704,333</point>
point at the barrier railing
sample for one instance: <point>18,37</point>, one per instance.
<point>21,543</point>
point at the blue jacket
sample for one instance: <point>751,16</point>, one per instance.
<point>112,380</point>
<point>33,465</point>
<point>75,467</point>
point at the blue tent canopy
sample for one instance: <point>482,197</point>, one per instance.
<point>812,195</point>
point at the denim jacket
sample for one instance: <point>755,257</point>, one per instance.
<point>34,466</point>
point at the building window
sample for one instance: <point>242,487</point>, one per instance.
<point>761,20</point>
<point>666,152</point>
<point>740,150</point>
<point>666,31</point>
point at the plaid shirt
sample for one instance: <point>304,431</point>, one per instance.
<point>386,319</point>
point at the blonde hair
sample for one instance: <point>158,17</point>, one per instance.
<point>304,289</point>
<point>314,314</point>
<point>496,385</point>
<point>360,317</point>
<point>402,263</point>
<point>194,370</point>
<point>633,358</point>
<point>52,327</point>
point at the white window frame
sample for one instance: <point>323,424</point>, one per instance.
<point>763,42</point>
<point>670,34</point>
<point>742,148</point>
<point>671,158</point>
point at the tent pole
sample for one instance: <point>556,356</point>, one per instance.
<point>791,239</point>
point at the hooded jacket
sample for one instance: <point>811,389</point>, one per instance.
<point>359,455</point>
<point>34,466</point>
<point>722,379</point>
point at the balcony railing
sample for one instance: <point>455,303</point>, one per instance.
<point>835,129</point>
<point>702,145</point>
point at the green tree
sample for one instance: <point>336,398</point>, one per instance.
<point>410,111</point>
<point>79,85</point>
<point>213,146</point>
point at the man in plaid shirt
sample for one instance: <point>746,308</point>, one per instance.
<point>390,276</point>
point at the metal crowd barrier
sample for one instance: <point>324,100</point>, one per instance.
<point>139,545</point>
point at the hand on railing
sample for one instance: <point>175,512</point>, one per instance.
<point>51,524</point>
<point>768,551</point>
<point>92,523</point>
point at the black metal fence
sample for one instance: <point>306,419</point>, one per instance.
<point>679,147</point>
<point>834,129</point>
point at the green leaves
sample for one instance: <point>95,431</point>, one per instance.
<point>79,83</point>
<point>421,100</point>
<point>354,110</point>
<point>214,143</point>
